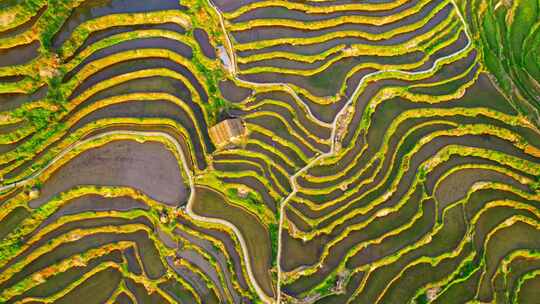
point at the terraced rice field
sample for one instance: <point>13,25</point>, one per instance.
<point>392,152</point>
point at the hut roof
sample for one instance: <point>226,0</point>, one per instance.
<point>226,131</point>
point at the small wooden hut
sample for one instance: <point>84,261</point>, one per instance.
<point>227,132</point>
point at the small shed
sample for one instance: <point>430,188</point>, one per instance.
<point>227,132</point>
